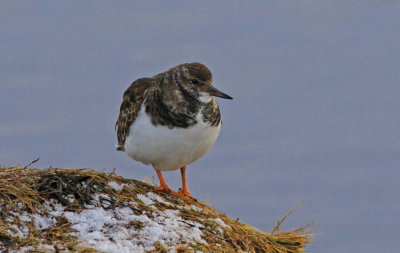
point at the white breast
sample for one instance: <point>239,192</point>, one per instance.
<point>169,149</point>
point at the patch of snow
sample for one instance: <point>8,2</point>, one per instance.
<point>15,231</point>
<point>196,209</point>
<point>120,229</point>
<point>146,200</point>
<point>158,198</point>
<point>97,226</point>
<point>102,199</point>
<point>84,184</point>
<point>26,249</point>
<point>116,187</point>
<point>43,222</point>
<point>89,206</point>
<point>24,217</point>
<point>221,223</point>
<point>57,209</point>
<point>70,198</point>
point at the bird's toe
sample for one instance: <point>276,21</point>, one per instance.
<point>186,194</point>
<point>166,189</point>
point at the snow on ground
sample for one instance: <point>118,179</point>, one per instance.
<point>120,229</point>
<point>117,187</point>
<point>220,222</point>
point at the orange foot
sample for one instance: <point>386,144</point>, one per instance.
<point>163,185</point>
<point>184,193</point>
<point>166,189</point>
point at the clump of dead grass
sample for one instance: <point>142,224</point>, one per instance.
<point>29,190</point>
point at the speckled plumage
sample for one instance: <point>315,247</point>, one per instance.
<point>170,98</point>
<point>132,101</point>
<point>170,120</point>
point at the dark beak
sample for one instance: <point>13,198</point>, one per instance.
<point>216,93</point>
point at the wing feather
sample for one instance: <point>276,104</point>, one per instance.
<point>131,103</point>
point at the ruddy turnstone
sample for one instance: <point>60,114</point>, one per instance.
<point>170,120</point>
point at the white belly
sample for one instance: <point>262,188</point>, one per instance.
<point>169,149</point>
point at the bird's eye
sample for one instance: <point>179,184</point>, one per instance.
<point>194,81</point>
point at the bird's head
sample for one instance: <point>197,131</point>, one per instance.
<point>198,76</point>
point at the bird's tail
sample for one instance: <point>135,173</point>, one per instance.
<point>120,148</point>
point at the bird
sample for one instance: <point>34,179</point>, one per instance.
<point>170,120</point>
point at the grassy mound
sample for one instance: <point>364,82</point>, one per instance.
<point>45,211</point>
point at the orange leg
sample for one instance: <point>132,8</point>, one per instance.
<point>185,190</point>
<point>163,185</point>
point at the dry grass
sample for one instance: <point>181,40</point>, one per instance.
<point>28,190</point>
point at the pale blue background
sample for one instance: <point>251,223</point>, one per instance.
<point>315,115</point>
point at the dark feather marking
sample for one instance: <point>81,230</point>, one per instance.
<point>132,100</point>
<point>164,115</point>
<point>163,105</point>
<point>211,113</point>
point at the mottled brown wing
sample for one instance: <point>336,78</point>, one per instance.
<point>131,103</point>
